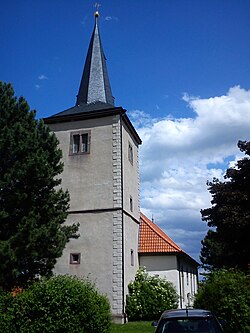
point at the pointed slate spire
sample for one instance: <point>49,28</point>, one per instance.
<point>95,86</point>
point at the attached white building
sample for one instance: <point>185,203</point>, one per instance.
<point>163,257</point>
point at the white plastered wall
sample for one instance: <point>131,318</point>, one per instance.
<point>131,216</point>
<point>183,275</point>
<point>100,184</point>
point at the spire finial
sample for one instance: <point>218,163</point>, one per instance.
<point>97,5</point>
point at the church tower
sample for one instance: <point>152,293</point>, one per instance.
<point>101,173</point>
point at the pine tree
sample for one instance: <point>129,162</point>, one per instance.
<point>33,207</point>
<point>227,242</point>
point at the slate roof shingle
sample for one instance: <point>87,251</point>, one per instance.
<point>95,85</point>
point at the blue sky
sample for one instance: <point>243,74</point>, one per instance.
<point>180,67</point>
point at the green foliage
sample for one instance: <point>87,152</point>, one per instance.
<point>149,296</point>
<point>58,304</point>
<point>32,205</point>
<point>227,243</point>
<point>6,312</point>
<point>227,294</point>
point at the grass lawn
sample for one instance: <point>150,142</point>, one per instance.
<point>133,327</point>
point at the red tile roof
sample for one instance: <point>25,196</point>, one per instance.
<point>153,240</point>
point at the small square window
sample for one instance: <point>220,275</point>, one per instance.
<point>75,258</point>
<point>130,153</point>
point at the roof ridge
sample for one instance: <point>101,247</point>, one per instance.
<point>155,228</point>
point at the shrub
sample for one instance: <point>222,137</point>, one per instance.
<point>227,294</point>
<point>149,296</point>
<point>60,304</point>
<point>6,312</point>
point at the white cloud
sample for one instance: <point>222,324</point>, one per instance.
<point>178,156</point>
<point>37,86</point>
<point>42,77</point>
<point>110,18</point>
<point>141,119</point>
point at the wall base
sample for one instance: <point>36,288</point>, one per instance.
<point>119,318</point>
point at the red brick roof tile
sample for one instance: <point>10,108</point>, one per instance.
<point>153,240</point>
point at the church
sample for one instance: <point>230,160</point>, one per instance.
<point>101,172</point>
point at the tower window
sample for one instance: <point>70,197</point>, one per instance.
<point>131,204</point>
<point>76,143</point>
<point>75,258</point>
<point>85,137</point>
<point>79,142</point>
<point>132,257</point>
<point>130,153</point>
